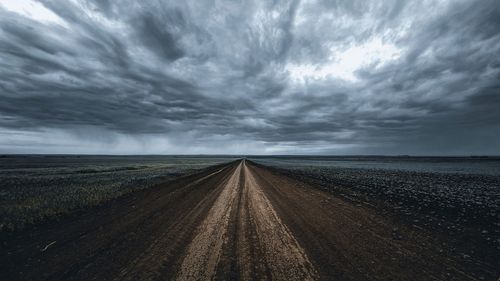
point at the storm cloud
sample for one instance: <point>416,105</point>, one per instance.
<point>250,77</point>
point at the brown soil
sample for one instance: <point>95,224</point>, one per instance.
<point>232,222</point>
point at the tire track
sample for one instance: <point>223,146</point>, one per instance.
<point>286,258</point>
<point>117,240</point>
<point>203,254</point>
<point>350,242</point>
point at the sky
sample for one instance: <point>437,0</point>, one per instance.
<point>331,77</point>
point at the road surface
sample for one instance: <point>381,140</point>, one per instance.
<point>237,221</point>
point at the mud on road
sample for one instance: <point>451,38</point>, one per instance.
<point>232,222</point>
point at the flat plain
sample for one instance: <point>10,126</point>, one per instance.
<point>270,219</point>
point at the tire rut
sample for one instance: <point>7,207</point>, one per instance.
<point>204,251</point>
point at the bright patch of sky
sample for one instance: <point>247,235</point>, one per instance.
<point>31,9</point>
<point>343,63</point>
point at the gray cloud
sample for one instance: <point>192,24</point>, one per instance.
<point>153,34</point>
<point>375,77</point>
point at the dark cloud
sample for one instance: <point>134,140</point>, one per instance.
<point>153,34</point>
<point>376,77</point>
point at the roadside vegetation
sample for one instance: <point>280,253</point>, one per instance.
<point>34,188</point>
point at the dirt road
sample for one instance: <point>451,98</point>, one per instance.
<point>232,222</point>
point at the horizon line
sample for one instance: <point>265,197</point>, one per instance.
<point>258,155</point>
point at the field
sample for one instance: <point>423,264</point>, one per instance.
<point>34,188</point>
<point>257,218</point>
